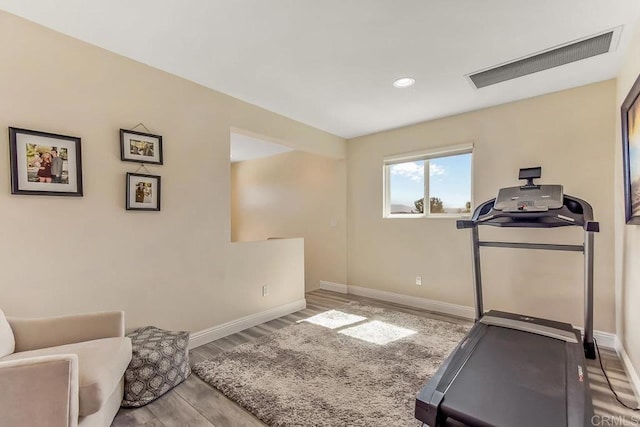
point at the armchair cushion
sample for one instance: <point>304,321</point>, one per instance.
<point>101,365</point>
<point>7,341</point>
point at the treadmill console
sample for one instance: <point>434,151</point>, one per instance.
<point>530,197</point>
<point>540,198</point>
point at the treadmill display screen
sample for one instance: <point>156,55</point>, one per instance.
<point>538,198</point>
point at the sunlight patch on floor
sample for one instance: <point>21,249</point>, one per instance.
<point>334,319</point>
<point>377,332</point>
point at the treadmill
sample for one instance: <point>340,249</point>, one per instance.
<point>512,369</point>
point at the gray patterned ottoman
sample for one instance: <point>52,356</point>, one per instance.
<point>160,362</point>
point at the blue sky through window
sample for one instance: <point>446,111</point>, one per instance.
<point>449,180</point>
<point>406,181</point>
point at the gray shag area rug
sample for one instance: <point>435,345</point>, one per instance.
<point>356,365</point>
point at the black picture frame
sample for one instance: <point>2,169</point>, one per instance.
<point>143,192</point>
<point>149,147</point>
<point>33,169</point>
<point>630,119</point>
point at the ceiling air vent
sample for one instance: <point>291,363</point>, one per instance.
<point>555,57</point>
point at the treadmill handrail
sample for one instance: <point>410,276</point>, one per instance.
<point>486,214</point>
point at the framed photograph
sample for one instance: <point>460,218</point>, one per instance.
<point>45,163</point>
<point>140,147</point>
<point>143,192</point>
<point>630,115</point>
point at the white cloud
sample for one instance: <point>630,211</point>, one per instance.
<point>415,170</point>
<point>412,170</point>
<point>435,169</point>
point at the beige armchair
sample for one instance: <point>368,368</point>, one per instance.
<point>62,371</point>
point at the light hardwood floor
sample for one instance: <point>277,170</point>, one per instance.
<point>195,403</point>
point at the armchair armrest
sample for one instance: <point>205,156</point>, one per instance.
<point>40,391</point>
<point>33,334</point>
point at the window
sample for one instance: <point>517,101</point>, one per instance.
<point>446,185</point>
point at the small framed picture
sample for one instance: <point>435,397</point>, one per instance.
<point>143,192</point>
<point>45,164</point>
<point>140,147</point>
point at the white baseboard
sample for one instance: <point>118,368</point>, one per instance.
<point>606,339</point>
<point>417,302</point>
<point>335,287</point>
<point>634,380</point>
<point>205,336</point>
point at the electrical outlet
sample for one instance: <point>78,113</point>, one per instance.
<point>265,290</point>
<point>418,280</point>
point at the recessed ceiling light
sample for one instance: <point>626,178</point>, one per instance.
<point>404,82</point>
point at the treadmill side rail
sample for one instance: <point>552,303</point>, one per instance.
<point>579,403</point>
<point>430,396</point>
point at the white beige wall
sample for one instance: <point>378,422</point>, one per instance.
<point>627,236</point>
<point>569,133</point>
<point>295,194</point>
<point>170,268</point>
<point>270,263</point>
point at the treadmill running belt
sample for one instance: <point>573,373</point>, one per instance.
<point>512,378</point>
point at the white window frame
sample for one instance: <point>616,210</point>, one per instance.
<point>426,155</point>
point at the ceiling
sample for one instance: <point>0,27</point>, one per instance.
<point>245,147</point>
<point>331,63</point>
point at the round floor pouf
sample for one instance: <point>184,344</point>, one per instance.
<point>160,361</point>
